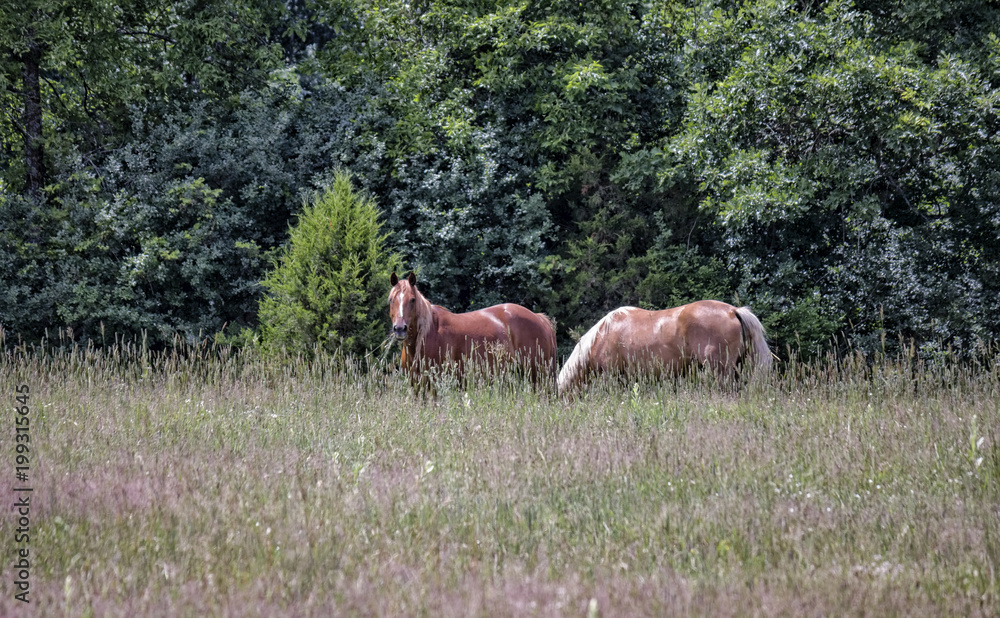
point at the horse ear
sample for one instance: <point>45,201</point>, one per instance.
<point>393,279</point>
<point>412,279</point>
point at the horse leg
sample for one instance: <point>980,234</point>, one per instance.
<point>726,368</point>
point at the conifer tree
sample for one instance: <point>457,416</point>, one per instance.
<point>328,289</point>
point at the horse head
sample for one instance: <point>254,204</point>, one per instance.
<point>403,306</point>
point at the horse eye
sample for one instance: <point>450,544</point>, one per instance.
<point>413,300</point>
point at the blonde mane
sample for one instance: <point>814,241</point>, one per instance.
<point>577,363</point>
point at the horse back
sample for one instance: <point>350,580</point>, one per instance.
<point>528,333</point>
<point>705,331</point>
<point>508,327</point>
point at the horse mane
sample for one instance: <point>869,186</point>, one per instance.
<point>425,319</point>
<point>577,363</point>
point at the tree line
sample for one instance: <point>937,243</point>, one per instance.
<point>834,164</point>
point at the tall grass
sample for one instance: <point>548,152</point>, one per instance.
<point>207,481</point>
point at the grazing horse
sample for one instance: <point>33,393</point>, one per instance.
<point>706,333</point>
<point>433,336</point>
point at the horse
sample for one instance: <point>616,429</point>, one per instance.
<point>433,337</point>
<point>628,340</point>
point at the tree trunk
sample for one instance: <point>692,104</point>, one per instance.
<point>33,119</point>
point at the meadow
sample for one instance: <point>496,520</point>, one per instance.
<point>227,484</point>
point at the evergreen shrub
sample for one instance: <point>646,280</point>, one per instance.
<point>327,291</point>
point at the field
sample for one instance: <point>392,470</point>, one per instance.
<point>222,484</point>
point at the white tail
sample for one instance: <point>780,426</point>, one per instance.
<point>754,339</point>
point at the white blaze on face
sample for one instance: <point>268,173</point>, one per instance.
<point>401,306</point>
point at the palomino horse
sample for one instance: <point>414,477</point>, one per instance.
<point>631,340</point>
<point>433,336</point>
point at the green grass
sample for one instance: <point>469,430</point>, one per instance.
<point>235,485</point>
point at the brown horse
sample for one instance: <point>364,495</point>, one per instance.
<point>706,333</point>
<point>432,336</point>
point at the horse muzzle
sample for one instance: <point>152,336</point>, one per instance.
<point>399,331</point>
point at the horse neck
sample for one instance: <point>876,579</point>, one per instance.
<point>425,323</point>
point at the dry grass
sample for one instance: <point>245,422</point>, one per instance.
<point>242,486</point>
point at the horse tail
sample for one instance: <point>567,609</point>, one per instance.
<point>754,340</point>
<point>575,367</point>
<point>546,349</point>
<point>552,361</point>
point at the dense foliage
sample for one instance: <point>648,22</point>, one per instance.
<point>832,164</point>
<point>327,291</point>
